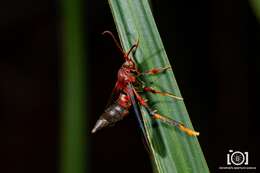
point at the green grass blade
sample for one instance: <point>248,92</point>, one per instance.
<point>172,151</point>
<point>73,118</point>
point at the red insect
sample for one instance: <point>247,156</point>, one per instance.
<point>125,92</point>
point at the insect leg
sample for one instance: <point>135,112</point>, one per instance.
<point>155,71</point>
<point>151,90</point>
<point>172,122</point>
<point>164,119</point>
<point>140,99</point>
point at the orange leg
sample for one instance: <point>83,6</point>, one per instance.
<point>180,125</point>
<point>164,119</point>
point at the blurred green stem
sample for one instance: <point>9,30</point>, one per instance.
<point>255,4</point>
<point>73,122</point>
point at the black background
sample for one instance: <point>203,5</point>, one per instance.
<point>212,46</point>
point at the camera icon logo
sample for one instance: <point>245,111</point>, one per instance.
<point>237,158</point>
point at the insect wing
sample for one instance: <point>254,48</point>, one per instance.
<point>114,95</point>
<point>137,113</point>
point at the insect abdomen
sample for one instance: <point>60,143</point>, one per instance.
<point>112,114</point>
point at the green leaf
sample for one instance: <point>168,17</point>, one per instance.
<point>172,151</point>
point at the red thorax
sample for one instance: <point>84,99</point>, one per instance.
<point>124,77</point>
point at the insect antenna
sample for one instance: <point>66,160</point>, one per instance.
<point>115,41</point>
<point>125,54</point>
<point>132,48</point>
